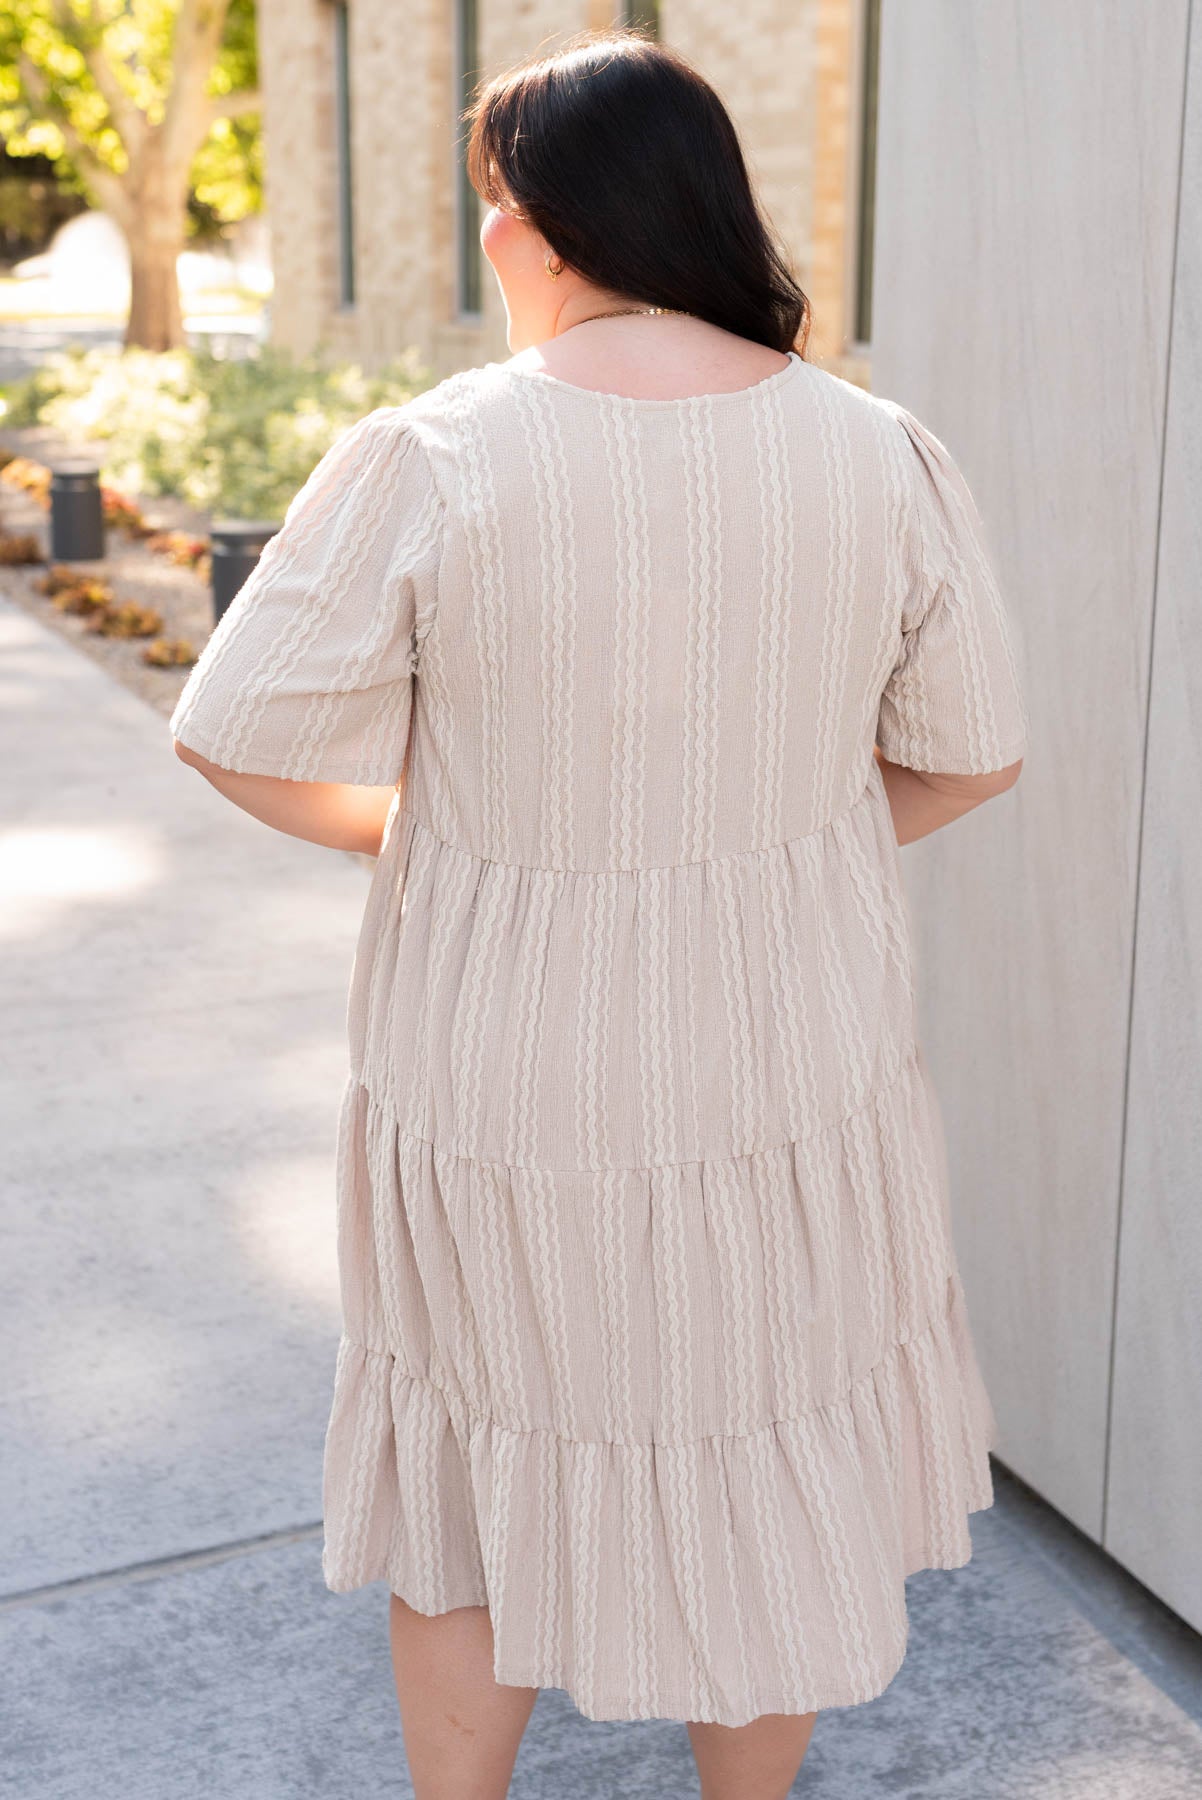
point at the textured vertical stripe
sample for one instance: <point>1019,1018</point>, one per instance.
<point>488,600</point>
<point>742,1695</point>
<point>788,990</point>
<point>929,1233</point>
<point>839,1568</point>
<point>639,1535</point>
<point>877,667</point>
<point>435,692</point>
<point>782,1263</point>
<point>459,875</point>
<point>768,1526</point>
<point>746,1116</point>
<point>592,1024</point>
<point>732,1224</point>
<point>632,603</point>
<point>689,958</point>
<point>585,1523</point>
<point>778,534</point>
<point>385,1080</point>
<point>703,526</point>
<point>839,608</point>
<point>908,1308</point>
<point>464,1359</point>
<point>522,1113</point>
<point>677,1472</point>
<point>467,1034</point>
<point>870,1453</point>
<point>877,916</point>
<point>428,1523</point>
<point>548,1625</point>
<point>933,1439</point>
<point>548,1268</point>
<point>507,1352</point>
<point>501,1546</point>
<point>613,1297</point>
<point>843,1013</point>
<point>545,452</point>
<point>655,1021</point>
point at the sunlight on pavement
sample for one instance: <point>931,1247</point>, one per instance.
<point>46,868</point>
<point>280,1213</point>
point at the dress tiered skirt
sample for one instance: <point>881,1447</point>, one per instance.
<point>654,1339</point>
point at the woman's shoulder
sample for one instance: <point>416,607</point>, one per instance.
<point>448,395</point>
<point>887,421</point>
<point>901,420</point>
<point>843,394</point>
<point>412,434</point>
<point>434,418</point>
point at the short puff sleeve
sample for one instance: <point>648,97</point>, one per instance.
<point>309,672</point>
<point>954,702</point>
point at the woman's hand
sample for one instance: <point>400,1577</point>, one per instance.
<point>323,812</point>
<point>921,802</point>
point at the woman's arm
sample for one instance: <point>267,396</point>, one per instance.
<point>921,802</point>
<point>323,812</point>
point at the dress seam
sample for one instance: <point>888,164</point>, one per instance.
<point>907,1064</point>
<point>457,1402</point>
<point>869,790</point>
<point>410,426</point>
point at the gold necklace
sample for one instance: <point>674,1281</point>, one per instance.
<point>618,311</point>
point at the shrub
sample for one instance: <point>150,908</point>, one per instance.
<point>235,437</point>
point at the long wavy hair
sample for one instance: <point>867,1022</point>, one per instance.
<point>627,162</point>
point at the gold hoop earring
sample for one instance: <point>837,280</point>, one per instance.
<point>553,273</point>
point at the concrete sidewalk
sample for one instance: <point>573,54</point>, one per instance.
<point>174,982</point>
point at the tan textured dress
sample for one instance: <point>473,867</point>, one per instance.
<point>654,1337</point>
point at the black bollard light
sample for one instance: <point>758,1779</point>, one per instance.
<point>76,513</point>
<point>236,545</point>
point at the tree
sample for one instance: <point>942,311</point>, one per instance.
<point>145,99</point>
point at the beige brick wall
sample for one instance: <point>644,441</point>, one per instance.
<point>759,55</point>
<point>509,31</point>
<point>783,67</point>
<point>295,45</point>
<point>838,52</point>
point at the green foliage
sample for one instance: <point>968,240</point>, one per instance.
<point>51,104</point>
<point>227,175</point>
<point>231,437</point>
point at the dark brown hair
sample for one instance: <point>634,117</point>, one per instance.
<point>627,162</point>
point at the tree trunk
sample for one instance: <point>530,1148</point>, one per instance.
<point>155,317</point>
<point>156,201</point>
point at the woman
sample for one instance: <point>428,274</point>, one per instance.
<point>634,657</point>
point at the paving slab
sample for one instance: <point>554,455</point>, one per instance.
<point>175,979</point>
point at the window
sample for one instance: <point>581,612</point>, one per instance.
<point>342,130</point>
<point>641,12</point>
<point>468,274</point>
<point>866,196</point>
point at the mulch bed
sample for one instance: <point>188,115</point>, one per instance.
<point>136,575</point>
